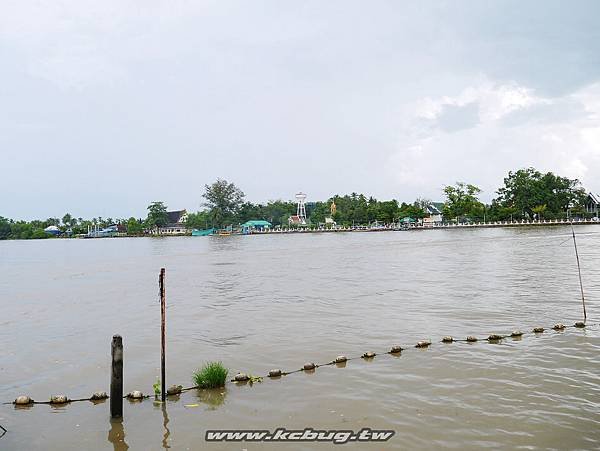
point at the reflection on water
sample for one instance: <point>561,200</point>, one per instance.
<point>116,435</point>
<point>165,418</point>
<point>167,432</point>
<point>213,397</point>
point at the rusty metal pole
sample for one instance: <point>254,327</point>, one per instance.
<point>579,271</point>
<point>116,379</point>
<point>163,312</point>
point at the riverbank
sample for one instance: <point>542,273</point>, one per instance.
<point>358,229</point>
<point>432,226</point>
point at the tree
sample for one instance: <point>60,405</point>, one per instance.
<point>539,211</point>
<point>388,211</point>
<point>528,188</point>
<point>66,220</point>
<point>5,228</point>
<point>462,200</point>
<point>200,220</point>
<point>422,203</point>
<point>410,211</point>
<point>157,215</point>
<point>224,201</point>
<point>134,226</point>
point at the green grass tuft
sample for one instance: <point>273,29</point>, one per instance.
<point>211,375</point>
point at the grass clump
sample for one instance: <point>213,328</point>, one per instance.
<point>211,375</point>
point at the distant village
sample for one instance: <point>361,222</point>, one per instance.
<point>432,217</point>
<point>527,197</point>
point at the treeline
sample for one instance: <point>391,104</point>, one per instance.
<point>525,194</point>
<point>25,230</point>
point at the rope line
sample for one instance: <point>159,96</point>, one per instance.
<point>311,367</point>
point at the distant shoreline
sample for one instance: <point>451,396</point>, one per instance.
<point>447,226</point>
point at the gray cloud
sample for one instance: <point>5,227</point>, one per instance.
<point>106,106</point>
<point>458,117</point>
<point>556,112</point>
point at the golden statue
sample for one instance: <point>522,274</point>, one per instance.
<point>332,208</point>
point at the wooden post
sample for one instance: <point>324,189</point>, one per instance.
<point>116,379</point>
<point>163,312</point>
<point>579,271</point>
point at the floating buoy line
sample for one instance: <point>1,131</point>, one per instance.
<point>309,367</point>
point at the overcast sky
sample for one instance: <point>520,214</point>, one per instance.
<point>108,105</point>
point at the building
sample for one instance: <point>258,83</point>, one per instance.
<point>255,225</point>
<point>176,224</point>
<point>52,230</point>
<point>296,220</point>
<point>434,213</point>
<point>592,204</point>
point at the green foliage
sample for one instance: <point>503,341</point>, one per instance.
<point>527,189</point>
<point>135,226</point>
<point>414,211</point>
<point>357,209</point>
<point>200,220</point>
<point>462,201</point>
<point>276,212</point>
<point>539,211</point>
<point>156,387</point>
<point>67,220</point>
<point>224,201</point>
<point>5,228</point>
<point>254,379</point>
<point>22,230</point>
<point>157,215</point>
<point>211,375</point>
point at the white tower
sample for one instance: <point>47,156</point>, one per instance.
<point>301,210</point>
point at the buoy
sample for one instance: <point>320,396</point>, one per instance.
<point>136,394</point>
<point>516,333</point>
<point>579,324</point>
<point>340,359</point>
<point>58,399</point>
<point>99,395</point>
<point>495,337</point>
<point>538,330</point>
<point>558,326</point>
<point>174,390</point>
<point>275,373</point>
<point>368,355</point>
<point>309,366</point>
<point>396,350</point>
<point>241,377</point>
<point>471,339</point>
<point>447,339</point>
<point>23,400</point>
<point>422,344</point>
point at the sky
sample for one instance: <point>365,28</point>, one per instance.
<point>108,106</point>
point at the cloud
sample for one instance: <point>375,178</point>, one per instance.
<point>514,128</point>
<point>394,100</point>
<point>489,100</point>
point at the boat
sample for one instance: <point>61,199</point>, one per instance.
<point>204,232</point>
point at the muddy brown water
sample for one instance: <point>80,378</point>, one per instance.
<point>265,302</point>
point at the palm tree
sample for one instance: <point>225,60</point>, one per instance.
<point>539,210</point>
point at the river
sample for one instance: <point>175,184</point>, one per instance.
<point>262,302</point>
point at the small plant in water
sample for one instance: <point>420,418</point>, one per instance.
<point>254,379</point>
<point>211,375</point>
<point>156,387</point>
